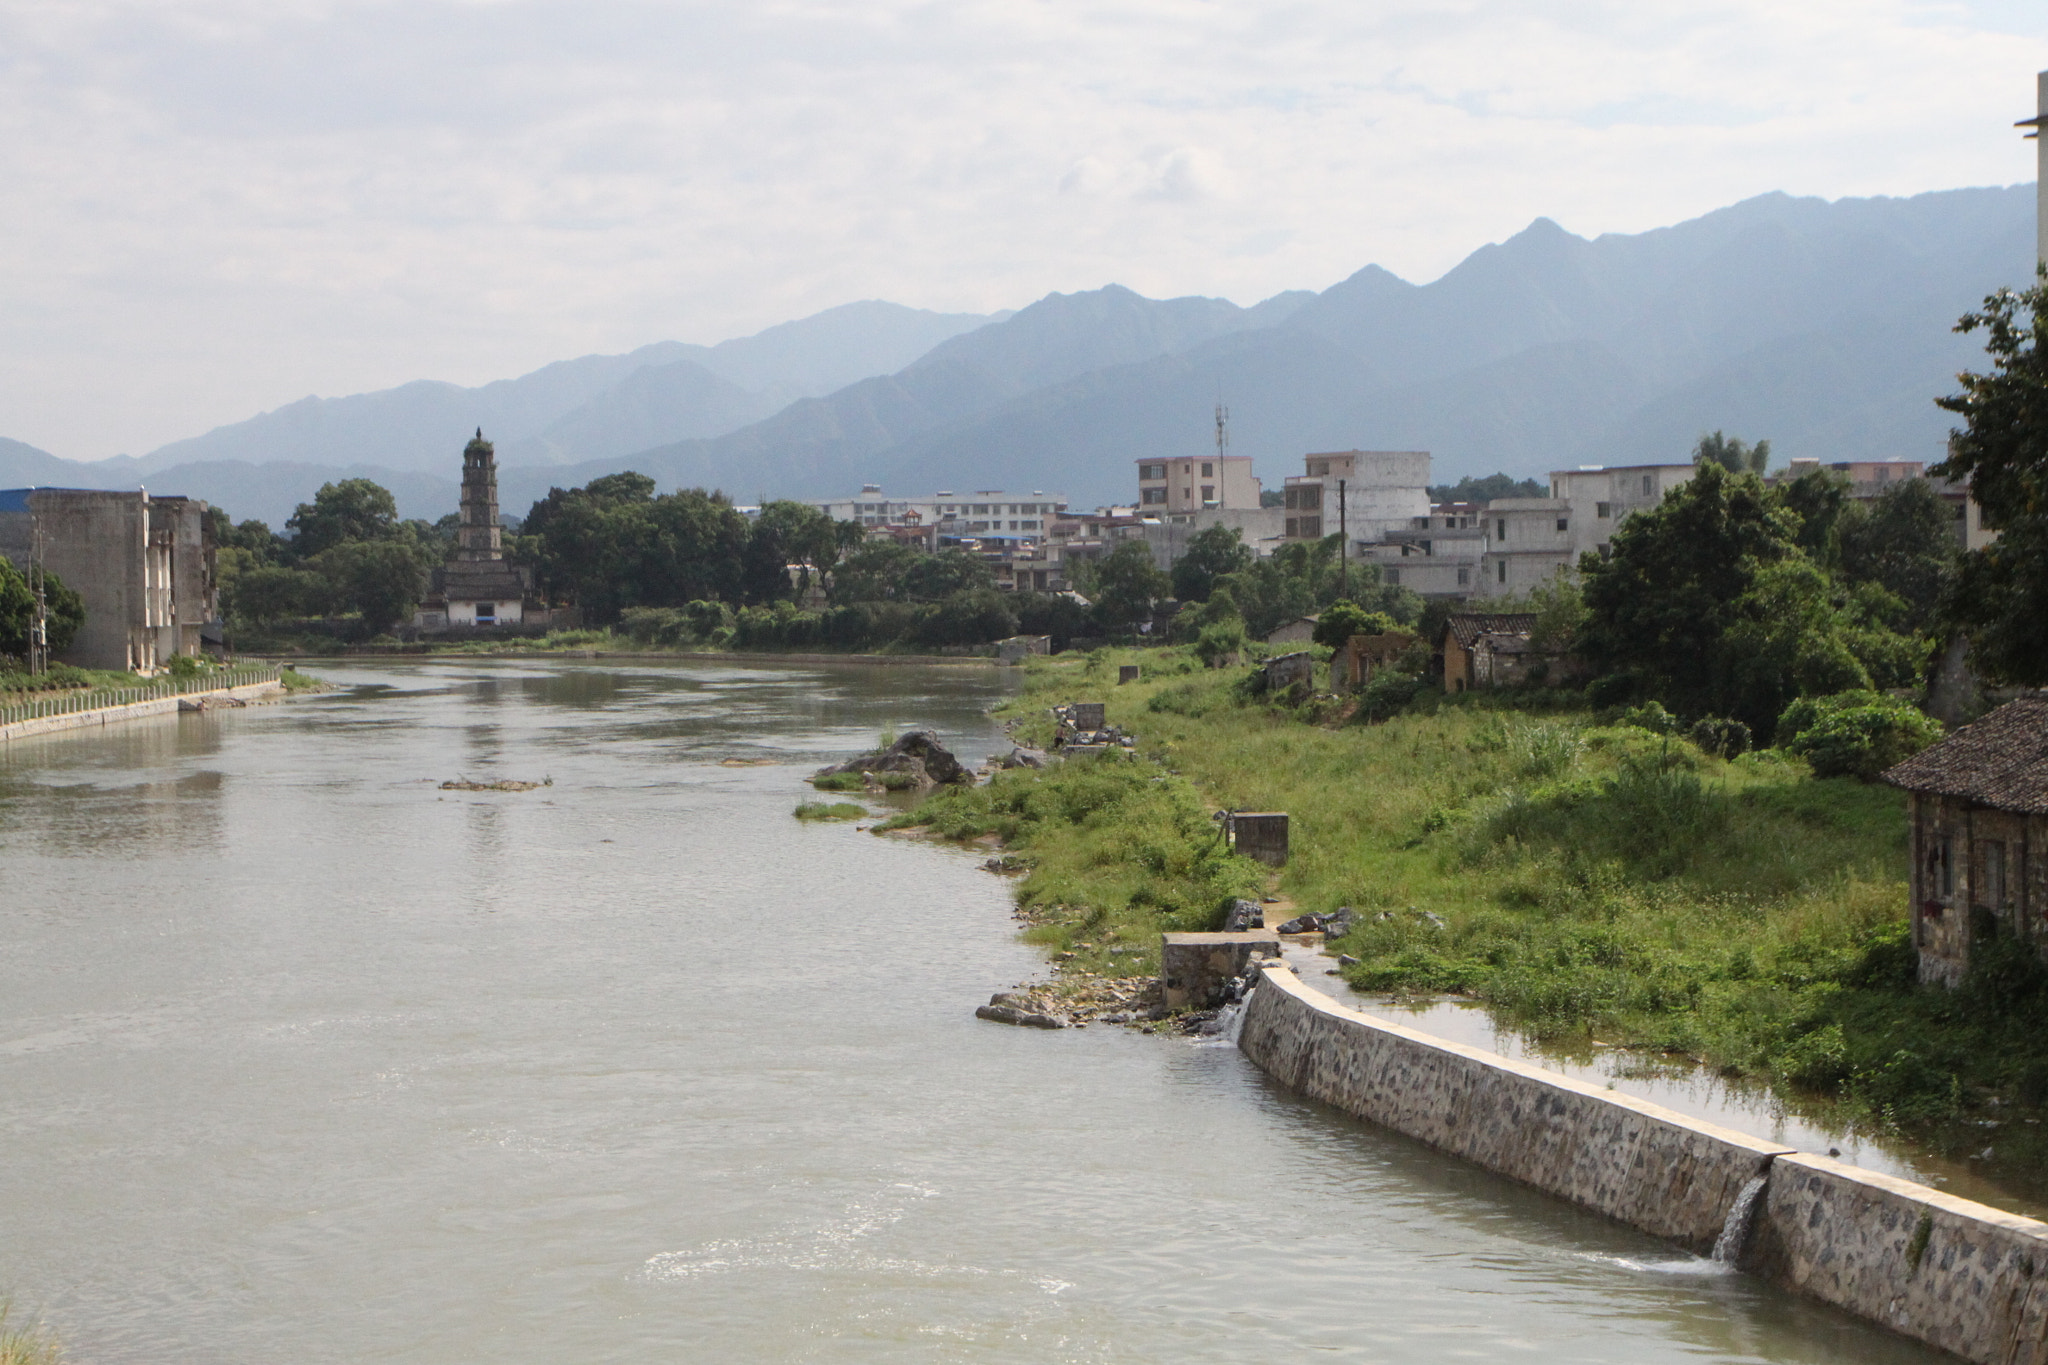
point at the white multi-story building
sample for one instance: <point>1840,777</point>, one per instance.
<point>1438,554</point>
<point>1528,541</point>
<point>1364,493</point>
<point>1600,497</point>
<point>988,514</point>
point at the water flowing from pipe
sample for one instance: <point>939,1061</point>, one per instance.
<point>1735,1231</point>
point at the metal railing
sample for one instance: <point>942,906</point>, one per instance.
<point>101,699</point>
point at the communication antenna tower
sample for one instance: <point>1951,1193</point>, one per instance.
<point>1222,428</point>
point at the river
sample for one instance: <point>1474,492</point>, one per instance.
<point>304,1059</point>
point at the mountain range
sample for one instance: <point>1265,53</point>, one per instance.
<point>1824,326</point>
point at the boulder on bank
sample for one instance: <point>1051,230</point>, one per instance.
<point>1244,915</point>
<point>918,755</point>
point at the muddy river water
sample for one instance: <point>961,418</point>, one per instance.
<point>304,1059</point>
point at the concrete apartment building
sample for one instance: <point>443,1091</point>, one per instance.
<point>987,513</point>
<point>1175,490</point>
<point>143,566</point>
<point>1364,493</point>
<point>1600,498</point>
<point>1439,554</point>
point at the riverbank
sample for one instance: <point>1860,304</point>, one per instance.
<point>1589,883</point>
<point>641,655</point>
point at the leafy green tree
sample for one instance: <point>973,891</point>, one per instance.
<point>1125,583</point>
<point>1659,606</point>
<point>613,544</point>
<point>975,616</point>
<point>65,612</point>
<point>1469,489</point>
<point>784,534</point>
<point>1213,552</point>
<point>1999,595</point>
<point>1855,733</point>
<point>1819,497</point>
<point>1732,454</point>
<point>269,593</point>
<point>872,572</point>
<point>1342,620</point>
<point>1903,541</point>
<point>354,509</point>
<point>947,574</point>
<point>380,581</point>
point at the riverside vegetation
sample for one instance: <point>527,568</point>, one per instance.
<point>1584,875</point>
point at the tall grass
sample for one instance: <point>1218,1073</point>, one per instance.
<point>1592,881</point>
<point>26,1343</point>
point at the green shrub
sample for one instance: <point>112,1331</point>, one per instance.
<point>1221,642</point>
<point>835,810</point>
<point>1720,736</point>
<point>1651,716</point>
<point>1855,734</point>
<point>1342,620</point>
<point>840,782</point>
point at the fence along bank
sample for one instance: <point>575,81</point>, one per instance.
<point>1958,1275</point>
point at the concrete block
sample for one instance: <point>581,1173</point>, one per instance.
<point>1088,715</point>
<point>1195,970</point>
<point>1126,673</point>
<point>1261,835</point>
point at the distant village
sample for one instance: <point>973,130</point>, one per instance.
<point>144,565</point>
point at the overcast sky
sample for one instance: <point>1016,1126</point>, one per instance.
<point>212,208</point>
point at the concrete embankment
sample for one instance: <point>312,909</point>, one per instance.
<point>154,706</point>
<point>1958,1275</point>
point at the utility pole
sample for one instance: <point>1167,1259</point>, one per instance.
<point>1343,545</point>
<point>2037,123</point>
<point>39,620</point>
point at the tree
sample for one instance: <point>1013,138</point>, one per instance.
<point>1342,620</point>
<point>873,572</point>
<point>1126,583</point>
<point>1732,454</point>
<point>354,509</point>
<point>786,533</point>
<point>950,572</point>
<point>269,593</point>
<point>968,618</point>
<point>65,612</point>
<point>379,580</point>
<point>1819,497</point>
<point>1212,553</point>
<point>1469,489</point>
<point>1660,605</point>
<point>1999,593</point>
<point>1903,541</point>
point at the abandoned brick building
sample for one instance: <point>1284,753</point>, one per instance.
<point>1978,809</point>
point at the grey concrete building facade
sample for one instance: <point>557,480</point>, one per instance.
<point>144,567</point>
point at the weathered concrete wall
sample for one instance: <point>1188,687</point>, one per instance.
<point>1978,1285</point>
<point>1957,1275</point>
<point>1644,1165</point>
<point>109,715</point>
<point>1197,969</point>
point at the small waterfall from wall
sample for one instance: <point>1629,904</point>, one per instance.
<point>1735,1231</point>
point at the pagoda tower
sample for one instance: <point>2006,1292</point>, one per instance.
<point>479,537</point>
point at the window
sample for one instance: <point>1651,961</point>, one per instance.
<point>1311,497</point>
<point>1208,492</point>
<point>1991,886</point>
<point>1649,485</point>
<point>1312,528</point>
<point>1941,869</point>
<point>1208,469</point>
<point>1151,471</point>
<point>1292,530</point>
<point>1393,576</point>
<point>980,509</point>
<point>486,613</point>
<point>1464,578</point>
<point>1503,567</point>
<point>1154,496</point>
<point>1501,524</point>
<point>1603,510</point>
<point>1563,525</point>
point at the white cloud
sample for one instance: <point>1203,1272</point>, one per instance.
<point>221,205</point>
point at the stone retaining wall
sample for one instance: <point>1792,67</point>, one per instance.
<point>108,715</point>
<point>1669,1175</point>
<point>1975,1284</point>
<point>1957,1275</point>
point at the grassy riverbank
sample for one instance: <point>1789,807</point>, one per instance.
<point>1587,881</point>
<point>26,1343</point>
